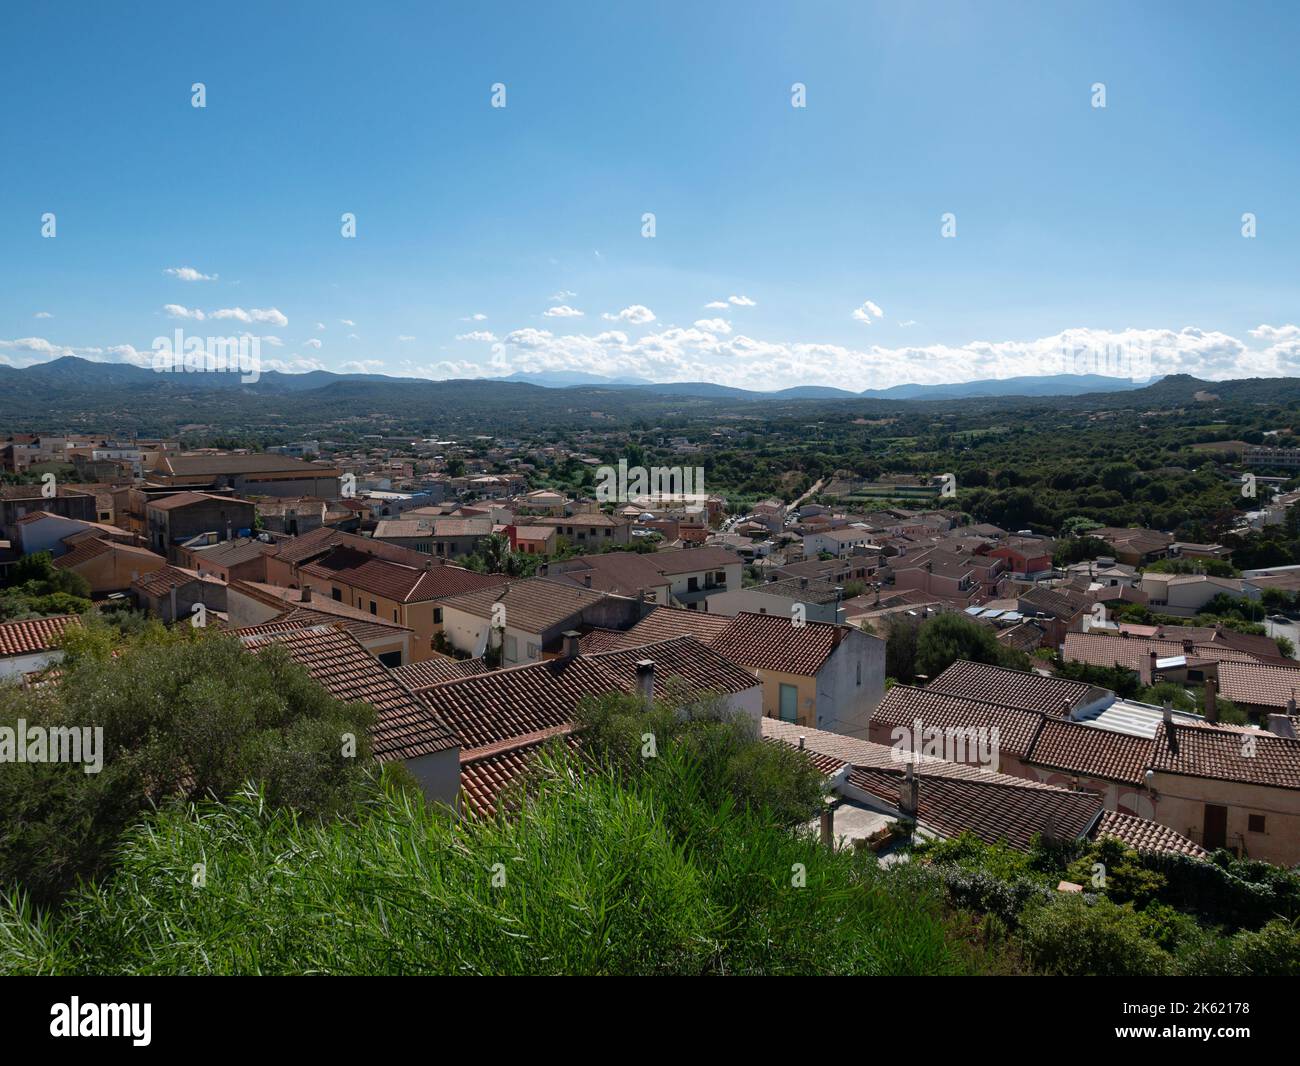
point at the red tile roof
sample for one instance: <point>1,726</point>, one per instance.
<point>160,582</point>
<point>904,704</point>
<point>532,605</point>
<point>1014,688</point>
<point>773,642</point>
<point>1090,751</point>
<point>436,671</point>
<point>1251,757</point>
<point>1102,649</point>
<point>1143,835</point>
<point>759,641</point>
<point>488,708</point>
<point>397,581</point>
<point>30,635</point>
<point>1261,684</point>
<point>404,728</point>
<point>485,773</point>
<point>1008,809</point>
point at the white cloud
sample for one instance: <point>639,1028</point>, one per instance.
<point>717,305</point>
<point>346,322</point>
<point>741,301</point>
<point>43,314</point>
<point>362,366</point>
<point>562,295</point>
<point>478,335</point>
<point>704,353</point>
<point>189,274</point>
<point>714,325</point>
<point>867,312</point>
<point>254,314</point>
<point>476,317</point>
<point>313,343</point>
<point>266,316</point>
<point>320,327</point>
<point>295,364</point>
<point>562,311</point>
<point>637,314</point>
<point>405,338</point>
<point>909,322</point>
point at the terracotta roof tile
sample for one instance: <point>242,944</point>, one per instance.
<point>904,704</point>
<point>1261,684</point>
<point>532,605</point>
<point>993,811</point>
<point>1250,757</point>
<point>1143,835</point>
<point>1090,751</point>
<point>29,635</point>
<point>1013,688</point>
<point>1103,649</point>
<point>489,708</point>
<point>436,671</point>
<point>404,728</point>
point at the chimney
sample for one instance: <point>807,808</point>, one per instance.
<point>1188,647</point>
<point>1290,703</point>
<point>803,582</point>
<point>570,644</point>
<point>173,602</point>
<point>645,679</point>
<point>230,534</point>
<point>306,594</point>
<point>802,742</point>
<point>1211,700</point>
<point>828,823</point>
<point>909,792</point>
<point>1282,726</point>
<point>1170,736</point>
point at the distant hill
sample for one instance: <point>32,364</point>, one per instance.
<point>79,395</point>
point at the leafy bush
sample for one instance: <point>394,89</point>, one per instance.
<point>1079,936</point>
<point>185,714</point>
<point>599,874</point>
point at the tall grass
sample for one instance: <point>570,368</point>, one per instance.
<point>598,874</point>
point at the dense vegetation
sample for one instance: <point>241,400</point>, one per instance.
<point>687,861</point>
<point>186,714</point>
<point>1138,914</point>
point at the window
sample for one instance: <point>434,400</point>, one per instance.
<point>336,594</point>
<point>437,616</point>
<point>512,648</point>
<point>859,673</point>
<point>1256,823</point>
<point>373,608</point>
<point>534,651</point>
<point>692,584</point>
<point>391,658</point>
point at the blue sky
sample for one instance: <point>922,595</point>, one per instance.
<point>1116,226</point>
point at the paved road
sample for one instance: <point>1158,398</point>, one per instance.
<point>1291,630</point>
<point>810,493</point>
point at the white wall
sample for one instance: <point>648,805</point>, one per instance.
<point>843,705</point>
<point>14,666</point>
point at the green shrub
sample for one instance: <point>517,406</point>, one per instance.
<point>1080,936</point>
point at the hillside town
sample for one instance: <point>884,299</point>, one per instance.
<point>475,614</point>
